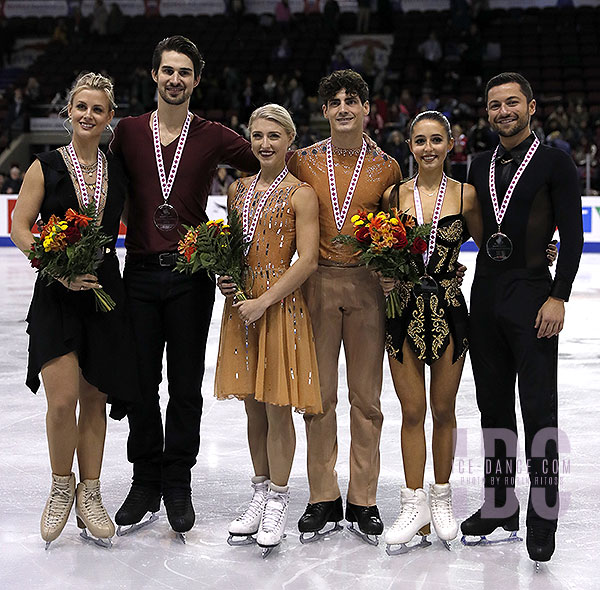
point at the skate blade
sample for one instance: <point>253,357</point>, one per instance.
<point>267,549</point>
<point>370,539</point>
<point>319,534</point>
<point>240,540</point>
<point>180,537</point>
<point>121,532</point>
<point>483,540</point>
<point>447,545</point>
<point>404,548</point>
<point>104,543</point>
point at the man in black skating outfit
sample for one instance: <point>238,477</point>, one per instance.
<point>517,310</point>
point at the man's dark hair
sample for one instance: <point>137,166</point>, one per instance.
<point>507,78</point>
<point>349,80</point>
<point>179,44</point>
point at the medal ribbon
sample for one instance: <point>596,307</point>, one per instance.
<point>81,181</point>
<point>340,215</point>
<point>166,184</point>
<point>499,211</point>
<point>249,226</point>
<point>437,211</point>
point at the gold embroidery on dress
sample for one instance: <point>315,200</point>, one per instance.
<point>451,291</point>
<point>452,232</point>
<point>442,253</point>
<point>404,290</point>
<point>389,346</point>
<point>439,326</point>
<point>416,328</point>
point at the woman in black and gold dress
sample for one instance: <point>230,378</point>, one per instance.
<point>83,355</point>
<point>431,328</point>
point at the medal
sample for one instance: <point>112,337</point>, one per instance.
<point>340,215</point>
<point>249,225</point>
<point>427,284</point>
<point>166,217</point>
<point>85,199</point>
<point>499,246</point>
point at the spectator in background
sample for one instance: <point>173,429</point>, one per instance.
<point>283,14</point>
<point>7,40</point>
<point>480,137</point>
<point>116,21</point>
<point>60,34</point>
<point>220,182</point>
<point>396,147</point>
<point>99,19</point>
<point>142,87</point>
<point>555,139</point>
<point>363,21</point>
<point>12,184</point>
<point>458,156</point>
<point>312,6</point>
<point>331,13</point>
<point>17,118</point>
<point>339,62</point>
<point>431,50</point>
<point>32,90</point>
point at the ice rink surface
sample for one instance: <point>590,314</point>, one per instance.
<point>153,558</point>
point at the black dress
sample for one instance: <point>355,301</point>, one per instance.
<point>61,321</point>
<point>429,321</point>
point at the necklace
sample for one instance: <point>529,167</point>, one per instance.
<point>346,151</point>
<point>89,169</point>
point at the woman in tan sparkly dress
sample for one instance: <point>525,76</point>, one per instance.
<point>266,352</point>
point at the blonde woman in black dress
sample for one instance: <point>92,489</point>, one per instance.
<point>82,354</point>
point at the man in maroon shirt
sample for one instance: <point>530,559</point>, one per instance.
<point>170,156</point>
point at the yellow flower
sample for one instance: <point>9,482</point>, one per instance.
<point>370,216</point>
<point>355,218</point>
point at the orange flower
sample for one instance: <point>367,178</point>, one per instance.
<point>79,220</point>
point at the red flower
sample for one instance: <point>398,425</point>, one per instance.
<point>401,240</point>
<point>363,235</point>
<point>36,263</point>
<point>76,218</point>
<point>419,246</point>
<point>72,235</point>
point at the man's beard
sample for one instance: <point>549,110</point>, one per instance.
<point>520,124</point>
<point>183,97</point>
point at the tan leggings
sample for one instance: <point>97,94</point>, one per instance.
<point>272,439</point>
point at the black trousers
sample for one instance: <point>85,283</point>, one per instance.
<point>172,309</point>
<point>504,346</point>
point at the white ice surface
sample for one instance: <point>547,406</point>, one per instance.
<point>152,558</point>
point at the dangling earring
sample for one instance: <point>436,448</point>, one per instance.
<point>65,127</point>
<point>112,135</point>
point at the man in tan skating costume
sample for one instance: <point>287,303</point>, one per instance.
<point>346,305</point>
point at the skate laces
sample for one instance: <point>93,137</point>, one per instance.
<point>410,509</point>
<point>274,510</point>
<point>59,501</point>
<point>257,504</point>
<point>441,505</point>
<point>92,504</point>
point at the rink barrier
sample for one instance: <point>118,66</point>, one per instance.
<point>217,207</point>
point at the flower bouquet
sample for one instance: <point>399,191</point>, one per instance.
<point>391,244</point>
<point>70,247</point>
<point>216,247</point>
